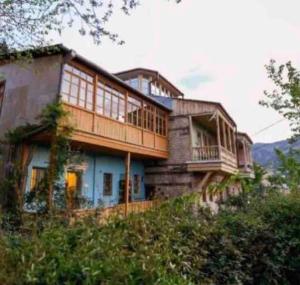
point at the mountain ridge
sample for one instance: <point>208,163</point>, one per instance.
<point>265,155</point>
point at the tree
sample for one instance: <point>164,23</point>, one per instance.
<point>29,23</point>
<point>285,98</point>
<point>287,175</point>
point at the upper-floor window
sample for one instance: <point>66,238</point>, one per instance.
<point>134,111</point>
<point>145,86</point>
<point>77,87</point>
<point>154,90</point>
<point>110,102</point>
<point>161,124</point>
<point>133,82</point>
<point>149,112</point>
<point>2,90</point>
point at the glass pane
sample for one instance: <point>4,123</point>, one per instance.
<point>82,94</point>
<point>134,83</point>
<point>90,97</point>
<point>74,91</point>
<point>89,78</point>
<point>107,105</point>
<point>67,76</point>
<point>68,67</point>
<point>75,80</point>
<point>65,88</point>
<point>76,71</point>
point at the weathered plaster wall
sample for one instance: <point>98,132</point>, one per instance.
<point>92,178</point>
<point>29,88</point>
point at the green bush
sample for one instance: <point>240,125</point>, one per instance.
<point>177,243</point>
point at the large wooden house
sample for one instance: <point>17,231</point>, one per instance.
<point>137,133</point>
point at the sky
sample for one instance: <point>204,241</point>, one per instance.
<point>210,49</point>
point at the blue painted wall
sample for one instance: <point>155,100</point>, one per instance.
<point>92,178</point>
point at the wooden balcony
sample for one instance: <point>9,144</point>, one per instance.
<point>103,132</point>
<point>213,158</point>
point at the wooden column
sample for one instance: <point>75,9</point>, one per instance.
<point>94,102</point>
<point>229,138</point>
<point>234,142</point>
<point>127,181</point>
<point>219,136</point>
<point>224,134</point>
<point>245,155</point>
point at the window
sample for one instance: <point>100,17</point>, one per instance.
<point>136,184</point>
<point>133,82</point>
<point>134,111</point>
<point>145,86</point>
<point>77,87</point>
<point>2,89</point>
<point>161,126</point>
<point>38,175</point>
<point>107,184</point>
<point>149,117</point>
<point>154,89</point>
<point>110,102</point>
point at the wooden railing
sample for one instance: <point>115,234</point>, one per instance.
<point>102,215</point>
<point>118,132</point>
<point>214,153</point>
<point>206,153</point>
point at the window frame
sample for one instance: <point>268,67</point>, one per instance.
<point>137,188</point>
<point>36,182</point>
<point>110,185</point>
<point>76,77</point>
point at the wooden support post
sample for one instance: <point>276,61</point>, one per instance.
<point>234,141</point>
<point>245,155</point>
<point>229,139</point>
<point>94,102</point>
<point>219,136</point>
<point>224,134</point>
<point>127,181</point>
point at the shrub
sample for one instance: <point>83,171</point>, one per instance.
<point>177,243</point>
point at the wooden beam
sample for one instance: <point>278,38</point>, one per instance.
<point>127,181</point>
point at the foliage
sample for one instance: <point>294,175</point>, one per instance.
<point>30,23</point>
<point>177,243</point>
<point>285,99</point>
<point>54,121</point>
<point>287,175</point>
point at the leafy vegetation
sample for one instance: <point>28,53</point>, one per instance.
<point>253,240</point>
<point>285,98</point>
<point>53,121</point>
<point>33,23</point>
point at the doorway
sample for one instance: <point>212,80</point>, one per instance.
<point>73,189</point>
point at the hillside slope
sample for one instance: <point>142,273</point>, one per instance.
<point>264,153</point>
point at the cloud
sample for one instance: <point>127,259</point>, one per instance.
<point>193,81</point>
